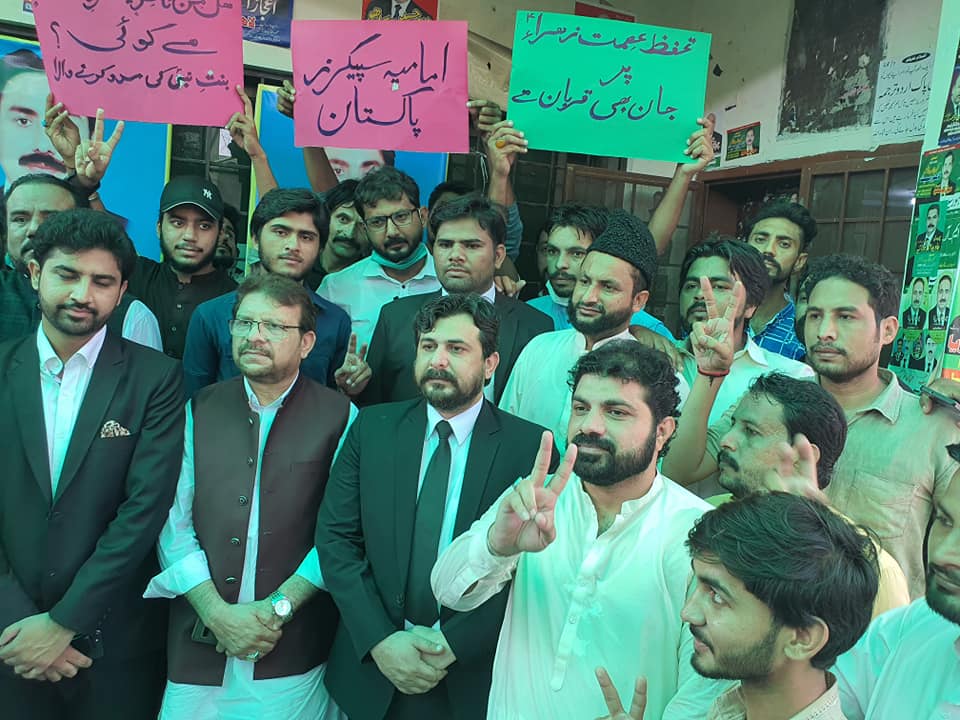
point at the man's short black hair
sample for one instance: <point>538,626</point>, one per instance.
<point>794,212</point>
<point>449,186</point>
<point>386,183</point>
<point>630,361</point>
<point>280,201</point>
<point>80,199</point>
<point>799,558</point>
<point>489,216</point>
<point>82,229</point>
<point>283,291</point>
<point>920,280</point>
<point>880,283</point>
<point>809,409</point>
<point>744,260</point>
<point>589,220</point>
<point>483,314</point>
<point>343,193</point>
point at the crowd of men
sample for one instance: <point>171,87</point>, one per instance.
<point>370,482</point>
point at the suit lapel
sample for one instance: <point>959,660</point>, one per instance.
<point>100,392</point>
<point>24,384</point>
<point>483,451</point>
<point>409,442</point>
<point>507,339</point>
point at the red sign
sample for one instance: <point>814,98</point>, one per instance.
<point>587,10</point>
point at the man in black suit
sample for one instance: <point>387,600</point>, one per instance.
<point>915,317</point>
<point>93,433</point>
<point>396,10</point>
<point>939,315</point>
<point>470,234</point>
<point>932,239</point>
<point>410,477</point>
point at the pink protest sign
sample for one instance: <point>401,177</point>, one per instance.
<point>167,61</point>
<point>399,85</point>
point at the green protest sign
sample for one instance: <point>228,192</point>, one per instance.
<point>605,87</point>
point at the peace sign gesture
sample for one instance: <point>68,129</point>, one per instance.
<point>637,706</point>
<point>93,157</point>
<point>714,341</point>
<point>524,521</point>
<point>352,377</point>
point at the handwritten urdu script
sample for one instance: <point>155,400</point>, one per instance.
<point>172,61</point>
<point>606,87</point>
<point>394,85</point>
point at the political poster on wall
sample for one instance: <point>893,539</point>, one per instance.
<point>138,162</point>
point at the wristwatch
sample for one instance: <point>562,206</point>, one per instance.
<point>282,607</point>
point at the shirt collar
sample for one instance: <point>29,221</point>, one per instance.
<point>371,269</point>
<point>786,314</point>
<point>630,507</point>
<point>255,402</point>
<point>890,399</point>
<point>730,705</point>
<point>625,335</point>
<point>489,295</point>
<point>461,424</point>
<point>50,362</point>
<point>754,351</point>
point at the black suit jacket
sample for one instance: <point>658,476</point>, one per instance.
<point>364,537</point>
<point>921,318</point>
<point>87,553</point>
<point>393,348</point>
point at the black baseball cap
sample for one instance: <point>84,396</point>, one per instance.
<point>192,190</point>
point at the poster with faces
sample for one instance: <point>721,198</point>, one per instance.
<point>921,349</point>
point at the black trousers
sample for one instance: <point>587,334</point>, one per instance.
<point>109,690</point>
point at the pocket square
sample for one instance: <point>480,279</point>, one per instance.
<point>112,429</point>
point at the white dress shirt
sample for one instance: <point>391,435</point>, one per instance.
<point>140,325</point>
<point>363,288</point>
<point>905,667</point>
<point>587,600</point>
<point>184,563</point>
<point>538,390</point>
<point>63,387</point>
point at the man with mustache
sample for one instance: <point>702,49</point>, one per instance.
<point>226,256</point>
<point>939,316</point>
<point>399,264</point>
<point>724,261</point>
<point>890,473</point>
<point>237,548</point>
<point>393,505</point>
<point>571,230</point>
<point>285,231</point>
<point>191,211</point>
<point>915,317</point>
<point>906,664</point>
<point>782,232</point>
<point>24,145</point>
<point>92,427</point>
<point>932,238</point>
<point>346,241</point>
<point>470,245</point>
<point>613,284</point>
<point>594,559</point>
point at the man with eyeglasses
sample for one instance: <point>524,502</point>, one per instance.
<point>237,548</point>
<point>287,229</point>
<point>399,265</point>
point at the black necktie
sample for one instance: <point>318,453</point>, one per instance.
<point>421,606</point>
<point>396,12</point>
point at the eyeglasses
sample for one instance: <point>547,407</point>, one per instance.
<point>271,331</point>
<point>401,218</point>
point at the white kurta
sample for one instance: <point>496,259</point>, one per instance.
<point>586,600</point>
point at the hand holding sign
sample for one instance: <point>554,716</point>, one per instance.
<point>525,521</point>
<point>243,129</point>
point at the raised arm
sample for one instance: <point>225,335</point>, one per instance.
<point>320,172</point>
<point>667,215</point>
<point>243,132</point>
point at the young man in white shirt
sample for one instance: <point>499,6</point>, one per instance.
<point>907,664</point>
<point>613,284</point>
<point>598,571</point>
